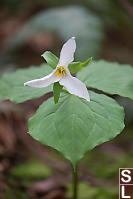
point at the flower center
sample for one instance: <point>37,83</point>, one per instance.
<point>60,71</point>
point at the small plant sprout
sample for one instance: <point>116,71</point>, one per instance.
<point>80,119</point>
<point>62,75</point>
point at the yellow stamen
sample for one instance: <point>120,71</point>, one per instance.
<point>60,71</point>
<point>64,73</point>
<point>59,74</point>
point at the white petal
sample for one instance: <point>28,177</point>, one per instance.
<point>75,86</point>
<point>43,82</point>
<point>67,52</point>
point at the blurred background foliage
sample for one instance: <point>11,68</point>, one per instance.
<point>103,30</point>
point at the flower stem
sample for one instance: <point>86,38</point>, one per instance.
<point>75,183</point>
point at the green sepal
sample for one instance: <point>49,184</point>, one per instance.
<point>56,91</point>
<point>50,58</point>
<point>77,66</point>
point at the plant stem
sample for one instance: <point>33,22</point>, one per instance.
<point>75,183</point>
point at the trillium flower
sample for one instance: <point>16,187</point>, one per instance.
<point>62,75</point>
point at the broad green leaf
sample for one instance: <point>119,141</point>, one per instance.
<point>74,126</point>
<point>51,59</point>
<point>56,91</point>
<point>112,78</point>
<point>65,22</point>
<point>12,85</point>
<point>74,67</point>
